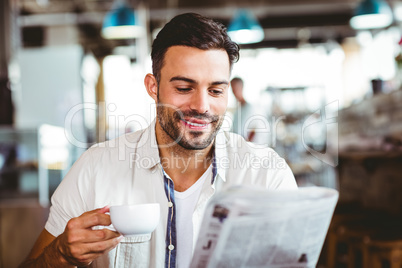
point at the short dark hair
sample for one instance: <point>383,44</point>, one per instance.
<point>192,30</point>
<point>237,80</point>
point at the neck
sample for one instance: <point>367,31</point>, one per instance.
<point>183,166</point>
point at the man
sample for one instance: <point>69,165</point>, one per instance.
<point>247,121</point>
<point>243,111</point>
<point>179,161</point>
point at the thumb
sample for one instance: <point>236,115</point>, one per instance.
<point>105,209</point>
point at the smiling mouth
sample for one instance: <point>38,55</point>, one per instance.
<point>194,125</point>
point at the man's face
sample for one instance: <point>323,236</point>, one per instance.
<point>192,95</point>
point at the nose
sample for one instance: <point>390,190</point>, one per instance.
<point>200,101</point>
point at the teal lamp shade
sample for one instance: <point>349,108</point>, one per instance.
<point>245,29</point>
<point>121,23</point>
<point>372,14</point>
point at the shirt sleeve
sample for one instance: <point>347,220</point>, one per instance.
<point>287,180</point>
<point>282,177</point>
<point>69,199</point>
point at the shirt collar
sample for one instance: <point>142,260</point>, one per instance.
<point>148,147</point>
<point>220,154</point>
<point>149,152</point>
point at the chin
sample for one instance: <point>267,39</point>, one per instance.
<point>194,144</point>
<point>194,147</point>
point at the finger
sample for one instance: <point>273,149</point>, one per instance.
<point>86,260</point>
<point>98,210</point>
<point>90,219</point>
<point>76,251</point>
<point>103,246</point>
<point>105,209</point>
<point>102,235</point>
<point>90,236</point>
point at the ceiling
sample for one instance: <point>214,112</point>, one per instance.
<point>53,6</point>
<point>285,21</point>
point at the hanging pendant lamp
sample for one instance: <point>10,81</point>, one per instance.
<point>245,29</point>
<point>121,23</point>
<point>372,14</point>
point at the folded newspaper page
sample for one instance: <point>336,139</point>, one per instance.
<point>248,227</point>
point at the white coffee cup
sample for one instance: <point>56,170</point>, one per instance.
<point>132,220</point>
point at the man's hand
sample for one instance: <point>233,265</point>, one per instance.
<point>80,245</point>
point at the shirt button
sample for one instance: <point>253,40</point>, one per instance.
<point>170,204</point>
<point>171,247</point>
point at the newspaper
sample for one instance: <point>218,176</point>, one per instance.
<point>247,227</point>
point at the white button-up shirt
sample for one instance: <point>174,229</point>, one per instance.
<point>127,170</point>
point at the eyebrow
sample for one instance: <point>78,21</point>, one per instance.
<point>192,81</point>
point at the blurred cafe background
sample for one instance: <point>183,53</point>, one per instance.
<point>324,75</point>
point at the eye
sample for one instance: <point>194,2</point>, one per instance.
<point>216,91</point>
<point>183,89</point>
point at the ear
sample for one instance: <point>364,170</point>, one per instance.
<point>152,86</point>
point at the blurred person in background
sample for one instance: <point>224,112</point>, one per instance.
<point>248,120</point>
<point>179,161</point>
